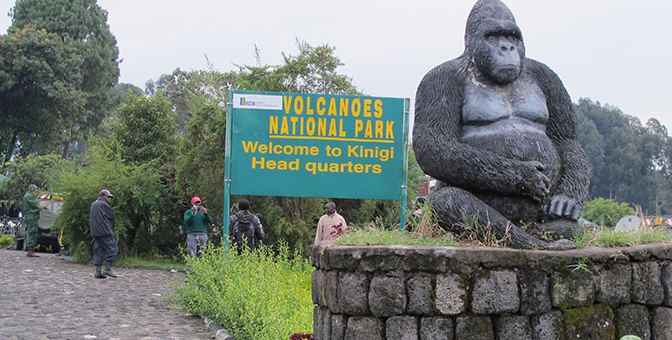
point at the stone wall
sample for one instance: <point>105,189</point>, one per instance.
<point>423,293</point>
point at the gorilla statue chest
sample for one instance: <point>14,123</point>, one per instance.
<point>506,119</point>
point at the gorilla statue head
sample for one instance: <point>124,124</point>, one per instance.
<point>494,42</point>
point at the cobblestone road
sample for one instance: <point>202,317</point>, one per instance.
<point>50,298</point>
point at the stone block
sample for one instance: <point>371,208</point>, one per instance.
<point>420,295</point>
<point>401,328</point>
<point>646,287</point>
<point>338,323</point>
<point>615,282</point>
<point>316,287</point>
<point>513,327</point>
<point>353,291</point>
<point>666,277</point>
<point>325,331</point>
<point>424,260</point>
<point>534,292</point>
<point>633,320</point>
<point>380,262</point>
<point>317,322</point>
<point>387,296</point>
<point>548,326</point>
<point>436,328</point>
<point>474,328</point>
<point>594,322</point>
<point>451,294</point>
<point>572,288</point>
<point>343,258</point>
<point>329,291</point>
<point>365,328</point>
<point>495,293</point>
<point>661,324</point>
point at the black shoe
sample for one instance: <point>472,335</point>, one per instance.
<point>109,273</point>
<point>100,276</point>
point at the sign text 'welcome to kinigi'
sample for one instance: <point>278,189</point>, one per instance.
<point>314,145</point>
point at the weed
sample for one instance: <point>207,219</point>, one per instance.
<point>6,241</point>
<point>582,264</point>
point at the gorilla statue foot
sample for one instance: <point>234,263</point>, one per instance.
<point>562,228</point>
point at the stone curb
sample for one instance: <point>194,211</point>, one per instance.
<point>219,331</point>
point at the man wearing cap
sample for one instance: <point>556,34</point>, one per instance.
<point>100,221</point>
<point>196,218</point>
<point>31,213</point>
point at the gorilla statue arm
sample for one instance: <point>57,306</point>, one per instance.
<point>437,146</point>
<point>571,189</point>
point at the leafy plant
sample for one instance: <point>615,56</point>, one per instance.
<point>264,295</point>
<point>606,212</point>
<point>581,264</point>
<point>6,241</point>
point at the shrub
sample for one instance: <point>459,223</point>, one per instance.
<point>6,241</point>
<point>260,295</point>
<point>606,212</point>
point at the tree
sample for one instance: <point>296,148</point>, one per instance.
<point>39,88</point>
<point>43,171</point>
<point>84,24</point>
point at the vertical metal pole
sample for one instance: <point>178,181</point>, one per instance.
<point>404,170</point>
<point>227,173</point>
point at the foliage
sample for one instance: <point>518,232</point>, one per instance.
<point>260,295</point>
<point>82,23</point>
<point>6,241</point>
<point>43,171</point>
<point>630,161</point>
<point>136,189</point>
<point>371,234</point>
<point>607,237</point>
<point>40,95</point>
<point>606,212</point>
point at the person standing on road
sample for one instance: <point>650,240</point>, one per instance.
<point>331,224</point>
<point>31,214</point>
<point>196,218</point>
<point>100,221</point>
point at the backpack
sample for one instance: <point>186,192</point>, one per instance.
<point>243,231</point>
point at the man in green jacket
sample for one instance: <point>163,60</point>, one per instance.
<point>31,213</point>
<point>196,219</point>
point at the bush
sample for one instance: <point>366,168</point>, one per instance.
<point>260,295</point>
<point>606,212</point>
<point>6,241</point>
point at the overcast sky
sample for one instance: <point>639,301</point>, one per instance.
<point>613,51</point>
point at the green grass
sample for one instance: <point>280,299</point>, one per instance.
<point>606,237</point>
<point>374,236</point>
<point>6,241</point>
<point>262,296</point>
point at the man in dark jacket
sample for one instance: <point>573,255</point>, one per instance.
<point>246,229</point>
<point>101,218</point>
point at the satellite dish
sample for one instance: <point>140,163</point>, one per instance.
<point>628,223</point>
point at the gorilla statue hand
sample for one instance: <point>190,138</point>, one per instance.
<point>535,183</point>
<point>563,206</point>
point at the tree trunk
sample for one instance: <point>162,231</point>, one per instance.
<point>66,150</point>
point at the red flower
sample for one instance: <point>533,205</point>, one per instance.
<point>299,336</point>
<point>337,230</point>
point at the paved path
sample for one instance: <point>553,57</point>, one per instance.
<point>50,298</point>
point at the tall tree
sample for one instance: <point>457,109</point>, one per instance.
<point>84,23</point>
<point>39,88</point>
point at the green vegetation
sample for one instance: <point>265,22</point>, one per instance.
<point>6,241</point>
<point>606,237</point>
<point>261,295</point>
<point>156,262</point>
<point>605,212</point>
<point>375,236</point>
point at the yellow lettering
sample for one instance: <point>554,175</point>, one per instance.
<point>320,106</point>
<point>273,125</point>
<point>332,127</point>
<point>248,146</point>
<point>321,126</point>
<point>379,129</point>
<point>359,125</point>
<point>356,107</point>
<point>298,105</point>
<point>256,162</point>
<point>288,103</point>
<point>332,107</point>
<point>389,132</point>
<point>309,111</point>
<point>344,107</point>
<point>284,128</point>
<point>378,107</point>
<point>367,107</point>
<point>368,132</point>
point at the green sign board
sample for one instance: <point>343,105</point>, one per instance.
<point>315,145</point>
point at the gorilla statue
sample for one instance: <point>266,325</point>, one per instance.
<point>498,131</point>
